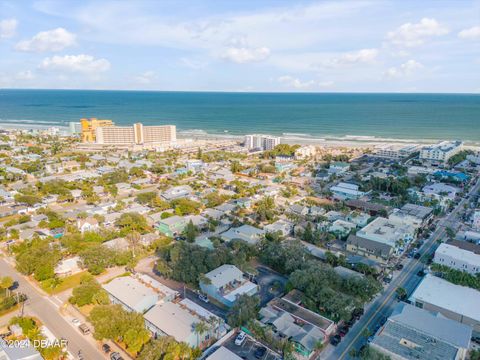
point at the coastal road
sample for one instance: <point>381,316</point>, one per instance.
<point>378,311</point>
<point>47,310</point>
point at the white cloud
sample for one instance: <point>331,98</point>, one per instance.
<point>295,83</point>
<point>242,55</point>
<point>472,33</point>
<point>405,69</point>
<point>51,40</point>
<point>410,35</point>
<point>8,27</point>
<point>25,75</point>
<point>82,63</point>
<point>363,56</point>
<point>146,78</point>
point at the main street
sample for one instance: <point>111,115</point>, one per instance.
<point>47,310</point>
<point>378,311</point>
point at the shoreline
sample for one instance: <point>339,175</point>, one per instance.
<point>362,141</point>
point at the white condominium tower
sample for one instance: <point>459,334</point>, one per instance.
<point>136,134</point>
<point>263,142</point>
<point>442,151</point>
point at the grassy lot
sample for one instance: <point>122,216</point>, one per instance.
<point>13,308</point>
<point>65,284</point>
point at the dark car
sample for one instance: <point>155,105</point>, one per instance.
<point>106,348</point>
<point>343,331</point>
<point>417,255</point>
<point>260,352</point>
<point>335,340</point>
<point>399,266</point>
<point>115,356</point>
<point>357,313</point>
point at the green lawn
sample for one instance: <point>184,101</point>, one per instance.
<point>65,284</point>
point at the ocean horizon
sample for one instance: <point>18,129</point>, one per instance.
<point>379,116</point>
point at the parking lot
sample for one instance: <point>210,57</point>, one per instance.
<point>272,284</point>
<point>247,349</point>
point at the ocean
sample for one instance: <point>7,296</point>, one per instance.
<point>297,115</point>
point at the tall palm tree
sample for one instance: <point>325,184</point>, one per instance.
<point>200,328</point>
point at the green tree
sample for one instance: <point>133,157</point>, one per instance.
<point>190,231</point>
<point>200,328</point>
<point>6,283</point>
<point>244,309</point>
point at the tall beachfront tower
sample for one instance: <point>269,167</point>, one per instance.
<point>89,127</point>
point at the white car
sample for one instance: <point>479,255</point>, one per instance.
<point>240,339</point>
<point>204,298</point>
<point>75,321</point>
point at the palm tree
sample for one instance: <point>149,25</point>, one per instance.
<point>200,328</point>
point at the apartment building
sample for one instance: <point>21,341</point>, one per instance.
<point>136,134</point>
<point>396,151</point>
<point>456,302</point>
<point>413,333</point>
<point>89,128</point>
<point>261,142</point>
<point>457,258</point>
<point>441,152</point>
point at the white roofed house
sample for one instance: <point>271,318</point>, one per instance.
<point>180,319</point>
<point>246,233</point>
<point>226,283</point>
<point>67,267</point>
<point>87,224</point>
<point>131,293</point>
<point>177,192</point>
<point>344,191</point>
<point>282,226</point>
<point>457,258</point>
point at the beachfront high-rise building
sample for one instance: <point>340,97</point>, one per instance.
<point>89,127</point>
<point>441,152</point>
<point>74,128</point>
<point>262,142</point>
<point>136,134</point>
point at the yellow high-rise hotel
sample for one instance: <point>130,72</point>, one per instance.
<point>105,132</point>
<point>89,128</point>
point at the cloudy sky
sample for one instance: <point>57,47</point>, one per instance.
<point>247,45</point>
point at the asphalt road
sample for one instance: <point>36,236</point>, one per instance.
<point>378,311</point>
<point>47,311</point>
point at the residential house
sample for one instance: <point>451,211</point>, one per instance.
<point>246,233</point>
<point>87,224</point>
<point>178,320</point>
<point>282,226</point>
<point>345,191</point>
<point>131,293</point>
<point>338,168</point>
<point>305,328</point>
<point>226,283</point>
<point>67,267</point>
<point>177,192</point>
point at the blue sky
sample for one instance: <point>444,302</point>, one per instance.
<point>317,46</point>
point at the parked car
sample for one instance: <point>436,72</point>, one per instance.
<point>115,356</point>
<point>204,298</point>
<point>75,321</point>
<point>240,339</point>
<point>84,329</point>
<point>343,331</point>
<point>335,340</point>
<point>106,348</point>
<point>399,266</point>
<point>260,352</point>
<point>417,255</point>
